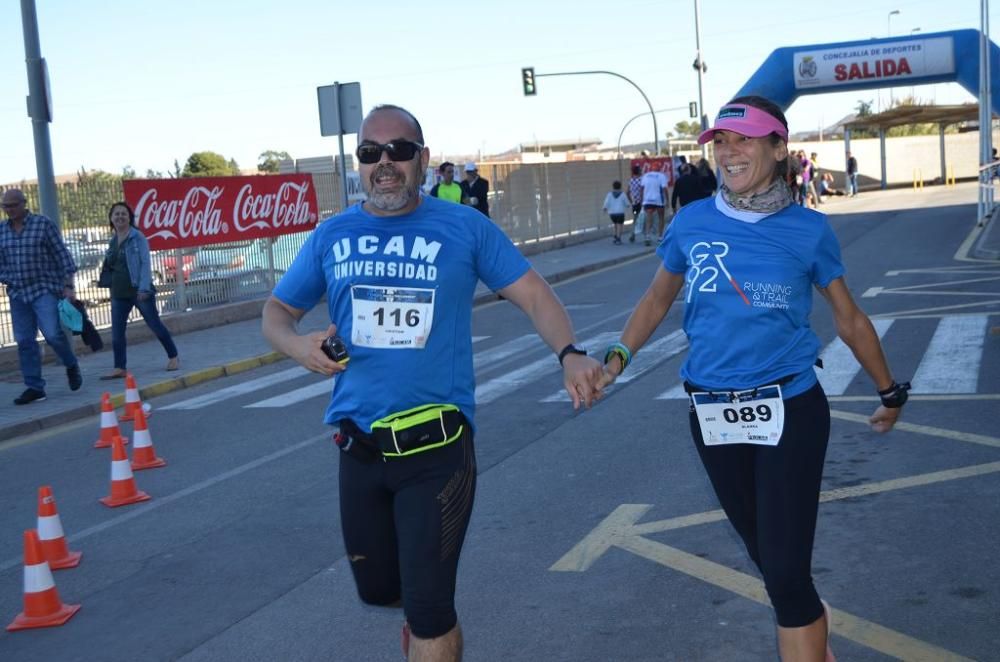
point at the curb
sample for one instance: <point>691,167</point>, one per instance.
<point>243,365</point>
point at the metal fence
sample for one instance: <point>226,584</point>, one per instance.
<point>532,203</point>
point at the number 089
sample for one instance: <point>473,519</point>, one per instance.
<point>747,414</point>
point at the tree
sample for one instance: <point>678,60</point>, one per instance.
<point>686,128</point>
<point>128,172</point>
<point>268,160</point>
<point>864,108</point>
<point>209,164</point>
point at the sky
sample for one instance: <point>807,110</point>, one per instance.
<point>141,84</point>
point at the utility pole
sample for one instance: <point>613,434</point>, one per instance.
<point>40,111</point>
<point>699,65</point>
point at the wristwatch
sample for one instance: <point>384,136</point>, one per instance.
<point>570,349</point>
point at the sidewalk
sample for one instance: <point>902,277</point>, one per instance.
<point>226,350</point>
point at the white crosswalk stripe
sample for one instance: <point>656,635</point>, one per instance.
<point>515,379</point>
<point>950,365</point>
<point>651,356</point>
<point>951,362</point>
<point>839,365</point>
<point>238,389</point>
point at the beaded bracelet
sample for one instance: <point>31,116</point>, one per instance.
<point>623,353</point>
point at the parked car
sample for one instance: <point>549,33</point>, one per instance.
<point>85,255</point>
<point>164,265</point>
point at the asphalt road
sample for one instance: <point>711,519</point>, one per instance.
<point>595,537</point>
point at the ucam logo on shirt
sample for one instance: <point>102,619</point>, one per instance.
<point>374,256</point>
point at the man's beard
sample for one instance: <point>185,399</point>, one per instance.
<point>390,201</point>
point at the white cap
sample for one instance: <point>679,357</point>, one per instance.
<point>470,167</point>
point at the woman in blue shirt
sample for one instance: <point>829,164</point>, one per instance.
<point>750,258</point>
<point>132,286</point>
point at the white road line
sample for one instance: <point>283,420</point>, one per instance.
<point>476,339</point>
<point>675,392</point>
<point>496,354</point>
<point>237,389</point>
<point>324,387</point>
<point>142,509</point>
<point>651,356</point>
<point>839,365</point>
<point>951,362</point>
<point>872,292</point>
<point>515,379</point>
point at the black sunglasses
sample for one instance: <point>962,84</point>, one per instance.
<point>398,150</point>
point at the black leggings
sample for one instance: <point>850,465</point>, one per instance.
<point>404,522</point>
<point>771,495</point>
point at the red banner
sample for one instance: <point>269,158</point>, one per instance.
<point>664,164</point>
<point>207,210</point>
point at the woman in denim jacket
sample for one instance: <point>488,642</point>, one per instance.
<point>132,285</point>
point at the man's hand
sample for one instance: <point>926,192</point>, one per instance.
<point>581,375</point>
<point>309,353</point>
<point>884,418</point>
<point>609,374</point>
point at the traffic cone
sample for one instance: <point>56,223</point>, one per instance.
<point>50,533</point>
<point>123,489</point>
<point>109,423</point>
<point>42,606</point>
<point>143,453</point>
<point>132,401</point>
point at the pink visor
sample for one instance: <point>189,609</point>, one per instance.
<point>746,121</point>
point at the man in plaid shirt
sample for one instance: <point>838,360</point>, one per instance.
<point>38,271</point>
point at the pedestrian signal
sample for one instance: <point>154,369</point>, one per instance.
<point>528,81</point>
<point>693,109</point>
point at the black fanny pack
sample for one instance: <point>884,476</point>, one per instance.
<point>404,433</point>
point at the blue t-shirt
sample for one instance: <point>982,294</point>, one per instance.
<point>440,249</point>
<point>748,294</point>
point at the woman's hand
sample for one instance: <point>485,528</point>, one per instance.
<point>612,369</point>
<point>884,418</point>
<point>581,375</point>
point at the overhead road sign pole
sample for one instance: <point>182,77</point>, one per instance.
<point>40,111</point>
<point>656,131</point>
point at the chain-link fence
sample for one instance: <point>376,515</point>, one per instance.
<point>531,202</point>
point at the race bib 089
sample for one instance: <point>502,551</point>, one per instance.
<point>742,417</point>
<point>391,317</point>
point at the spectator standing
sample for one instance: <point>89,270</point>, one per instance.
<point>852,175</point>
<point>814,176</point>
<point>654,200</point>
<point>127,257</point>
<point>616,203</point>
<point>448,188</point>
<point>709,184</point>
<point>687,188</point>
<point>38,270</point>
<point>476,189</point>
<point>635,197</point>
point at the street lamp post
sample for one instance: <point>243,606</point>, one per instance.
<point>888,30</point>
<point>662,110</point>
<point>913,89</point>
<point>699,64</point>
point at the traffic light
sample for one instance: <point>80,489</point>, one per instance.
<point>528,81</point>
<point>693,109</point>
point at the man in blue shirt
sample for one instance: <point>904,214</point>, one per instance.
<point>38,270</point>
<point>399,273</point>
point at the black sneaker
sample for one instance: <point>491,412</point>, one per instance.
<point>30,395</point>
<point>74,377</point>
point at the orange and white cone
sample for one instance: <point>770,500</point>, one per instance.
<point>50,533</point>
<point>143,453</point>
<point>133,402</point>
<point>123,489</point>
<point>42,606</point>
<point>109,423</point>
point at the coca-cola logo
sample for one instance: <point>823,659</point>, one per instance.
<point>285,208</point>
<point>194,215</point>
<point>210,210</point>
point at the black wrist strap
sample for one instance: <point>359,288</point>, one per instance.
<point>895,396</point>
<point>570,349</point>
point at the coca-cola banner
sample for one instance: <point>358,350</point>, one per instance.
<point>195,211</point>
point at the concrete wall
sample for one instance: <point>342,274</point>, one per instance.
<point>903,155</point>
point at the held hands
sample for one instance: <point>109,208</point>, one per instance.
<point>309,352</point>
<point>609,374</point>
<point>581,375</point>
<point>884,418</point>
